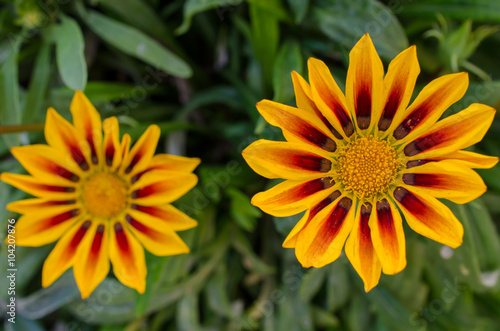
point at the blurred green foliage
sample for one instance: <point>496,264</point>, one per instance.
<point>197,68</point>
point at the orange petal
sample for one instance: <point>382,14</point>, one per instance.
<point>287,160</point>
<point>141,153</point>
<point>38,188</point>
<point>320,242</point>
<point>127,256</point>
<point>91,264</point>
<point>47,164</point>
<point>364,84</point>
<point>399,83</point>
<point>173,163</point>
<point>446,179</point>
<point>159,240</point>
<point>88,121</point>
<point>297,126</point>
<point>61,135</point>
<point>388,237</point>
<point>291,197</point>
<point>429,217</point>
<point>455,132</point>
<point>360,251</point>
<point>328,97</point>
<point>63,255</point>
<point>430,104</point>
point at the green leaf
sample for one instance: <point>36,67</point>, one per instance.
<point>69,53</point>
<point>143,18</point>
<point>299,8</point>
<point>243,212</point>
<point>476,10</point>
<point>38,85</point>
<point>346,21</point>
<point>10,109</point>
<point>47,300</point>
<point>265,37</point>
<point>188,318</point>
<point>217,295</point>
<point>289,58</point>
<point>337,286</point>
<point>193,7</point>
<point>311,283</point>
<point>135,43</point>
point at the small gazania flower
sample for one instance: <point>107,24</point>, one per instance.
<point>100,199</point>
<point>352,161</point>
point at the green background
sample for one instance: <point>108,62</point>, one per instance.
<point>197,68</point>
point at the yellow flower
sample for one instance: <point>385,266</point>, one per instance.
<point>352,161</point>
<point>100,199</point>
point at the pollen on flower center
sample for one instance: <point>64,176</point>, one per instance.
<point>104,195</point>
<point>367,166</point>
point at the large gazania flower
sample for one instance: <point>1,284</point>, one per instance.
<point>100,199</point>
<point>352,161</point>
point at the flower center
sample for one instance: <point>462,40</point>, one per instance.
<point>104,195</point>
<point>367,166</point>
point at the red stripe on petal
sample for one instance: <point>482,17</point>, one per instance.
<point>425,143</point>
<point>134,161</point>
<point>363,106</point>
<point>332,226</point>
<point>310,162</point>
<point>414,205</point>
<point>391,106</point>
<point>96,243</point>
<point>426,180</point>
<point>58,170</point>
<point>151,233</point>
<point>77,155</point>
<point>121,239</point>
<point>414,118</point>
<point>109,153</point>
<point>385,218</point>
<point>77,238</point>
<point>303,191</point>
<point>364,228</point>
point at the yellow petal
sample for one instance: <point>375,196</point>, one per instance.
<point>446,179</point>
<point>292,197</point>
<point>455,132</point>
<point>127,256</point>
<point>360,251</point>
<point>399,83</point>
<point>388,237</point>
<point>470,159</point>
<point>157,239</point>
<point>167,216</point>
<point>63,255</point>
<point>429,217</point>
<point>159,187</point>
<point>329,98</point>
<point>91,265</point>
<point>430,104</point>
<point>40,188</point>
<point>287,160</point>
<point>112,151</point>
<point>34,205</point>
<point>48,164</point>
<point>364,84</point>
<point>88,121</point>
<point>173,163</point>
<point>141,153</point>
<point>320,242</point>
<point>61,135</point>
<point>46,225</point>
<point>298,126</point>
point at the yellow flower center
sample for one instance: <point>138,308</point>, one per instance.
<point>367,166</point>
<point>104,195</point>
